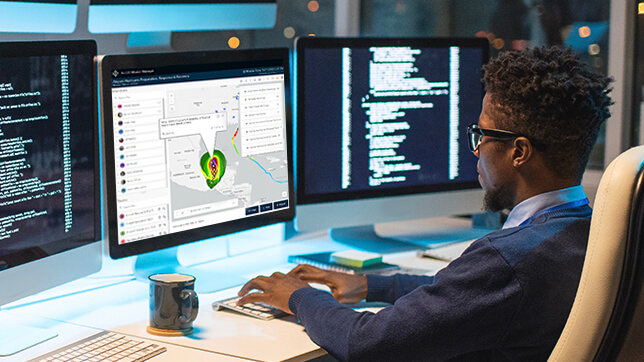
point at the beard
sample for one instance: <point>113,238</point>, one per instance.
<point>498,198</point>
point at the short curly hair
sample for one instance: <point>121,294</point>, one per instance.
<point>549,96</point>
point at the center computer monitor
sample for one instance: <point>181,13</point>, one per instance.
<point>197,146</point>
<point>381,132</point>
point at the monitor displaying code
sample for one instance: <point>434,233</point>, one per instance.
<point>47,154</point>
<point>390,118</point>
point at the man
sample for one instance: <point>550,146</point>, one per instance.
<point>507,297</point>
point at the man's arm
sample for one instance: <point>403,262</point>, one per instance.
<point>467,308</point>
<point>389,288</point>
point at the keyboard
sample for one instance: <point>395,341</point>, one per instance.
<point>105,346</point>
<point>256,310</point>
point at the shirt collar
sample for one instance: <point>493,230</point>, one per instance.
<point>526,208</point>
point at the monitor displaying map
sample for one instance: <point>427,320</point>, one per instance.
<point>197,146</point>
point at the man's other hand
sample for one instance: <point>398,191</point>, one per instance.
<point>275,290</point>
<point>346,288</point>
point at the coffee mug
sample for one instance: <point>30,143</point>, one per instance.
<point>173,304</point>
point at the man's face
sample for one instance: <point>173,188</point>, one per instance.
<point>495,166</point>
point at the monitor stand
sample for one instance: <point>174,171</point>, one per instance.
<point>365,238</point>
<point>167,261</point>
<point>408,235</point>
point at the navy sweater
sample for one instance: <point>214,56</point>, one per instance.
<point>507,297</point>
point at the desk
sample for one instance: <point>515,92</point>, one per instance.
<point>113,300</point>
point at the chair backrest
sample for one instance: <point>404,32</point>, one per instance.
<point>601,324</point>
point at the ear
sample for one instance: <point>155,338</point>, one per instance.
<point>522,152</point>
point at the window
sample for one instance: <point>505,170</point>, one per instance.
<point>294,18</point>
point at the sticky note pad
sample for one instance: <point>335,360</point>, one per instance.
<point>356,258</point>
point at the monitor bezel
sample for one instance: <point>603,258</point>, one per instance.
<point>131,61</point>
<point>301,46</point>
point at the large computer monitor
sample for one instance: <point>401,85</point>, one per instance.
<point>38,16</point>
<point>197,146</point>
<point>133,16</point>
<point>49,167</point>
<point>381,132</point>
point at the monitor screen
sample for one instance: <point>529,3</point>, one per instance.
<point>197,146</point>
<point>49,166</point>
<point>384,121</point>
<point>38,16</point>
<point>127,16</point>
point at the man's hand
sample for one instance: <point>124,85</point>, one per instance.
<point>275,290</point>
<point>346,288</point>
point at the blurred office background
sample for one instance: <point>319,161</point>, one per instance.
<point>607,35</point>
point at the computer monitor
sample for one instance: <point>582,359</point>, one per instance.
<point>134,16</point>
<point>38,16</point>
<point>381,133</point>
<point>49,166</point>
<point>197,146</point>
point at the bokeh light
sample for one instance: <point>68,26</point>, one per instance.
<point>313,6</point>
<point>233,42</point>
<point>584,32</point>
<point>289,32</point>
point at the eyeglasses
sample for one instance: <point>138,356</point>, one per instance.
<point>475,135</point>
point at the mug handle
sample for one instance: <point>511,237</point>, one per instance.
<point>193,306</point>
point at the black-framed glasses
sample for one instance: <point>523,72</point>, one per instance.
<point>475,135</point>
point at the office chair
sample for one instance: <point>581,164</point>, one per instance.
<point>606,322</point>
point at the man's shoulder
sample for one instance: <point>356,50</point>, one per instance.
<point>570,232</point>
<point>555,220</point>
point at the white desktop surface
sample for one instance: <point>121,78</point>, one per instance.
<point>112,300</point>
<point>69,333</point>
